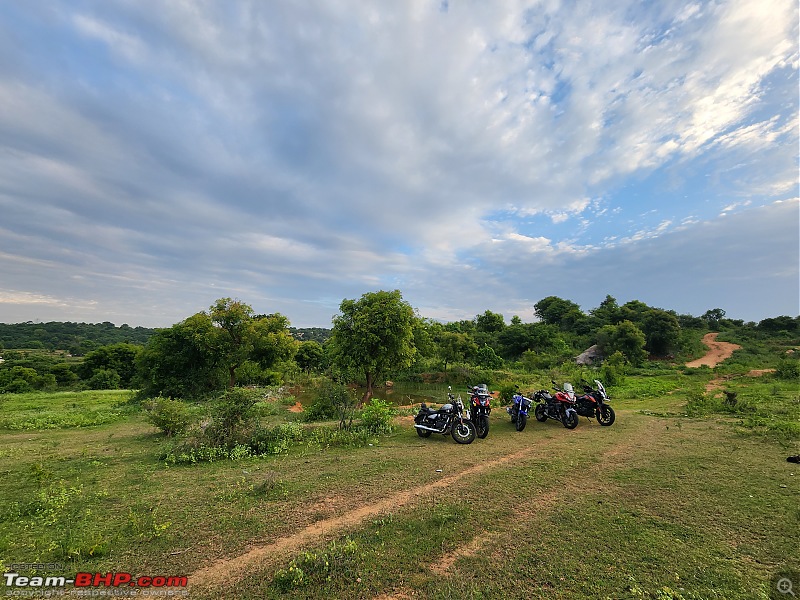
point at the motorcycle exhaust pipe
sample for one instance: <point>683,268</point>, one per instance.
<point>428,428</point>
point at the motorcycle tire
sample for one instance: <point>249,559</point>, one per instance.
<point>463,432</point>
<point>539,413</point>
<point>482,426</point>
<point>423,433</point>
<point>606,416</point>
<point>522,420</point>
<point>571,421</point>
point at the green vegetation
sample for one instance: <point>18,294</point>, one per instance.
<point>688,495</point>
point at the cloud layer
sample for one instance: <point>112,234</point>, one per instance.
<point>157,156</point>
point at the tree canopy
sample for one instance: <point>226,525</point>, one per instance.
<point>373,335</point>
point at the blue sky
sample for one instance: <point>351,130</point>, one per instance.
<point>156,156</point>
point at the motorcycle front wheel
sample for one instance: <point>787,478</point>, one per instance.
<point>539,413</point>
<point>463,432</point>
<point>482,426</point>
<point>522,420</point>
<point>606,416</point>
<point>571,420</point>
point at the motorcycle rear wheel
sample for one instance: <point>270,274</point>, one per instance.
<point>522,420</point>
<point>463,432</point>
<point>423,433</point>
<point>606,416</point>
<point>539,413</point>
<point>482,426</point>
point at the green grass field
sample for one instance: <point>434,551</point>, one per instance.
<point>660,505</point>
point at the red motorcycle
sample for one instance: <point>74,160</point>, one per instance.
<point>480,405</point>
<point>560,407</point>
<point>594,403</point>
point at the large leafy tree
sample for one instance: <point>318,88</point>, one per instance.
<point>662,331</point>
<point>626,338</point>
<point>119,358</point>
<point>373,336</point>
<point>565,314</point>
<point>203,352</point>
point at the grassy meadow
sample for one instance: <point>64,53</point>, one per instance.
<point>687,496</point>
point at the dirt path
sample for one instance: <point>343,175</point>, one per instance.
<point>230,570</point>
<point>717,352</point>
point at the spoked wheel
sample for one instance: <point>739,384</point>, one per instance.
<point>571,420</point>
<point>482,426</point>
<point>522,420</point>
<point>463,432</point>
<point>539,413</point>
<point>423,433</point>
<point>606,416</point>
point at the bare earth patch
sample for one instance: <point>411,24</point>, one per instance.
<point>296,408</point>
<point>717,352</point>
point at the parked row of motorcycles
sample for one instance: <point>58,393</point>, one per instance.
<point>465,424</point>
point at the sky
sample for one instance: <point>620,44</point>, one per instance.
<point>157,156</point>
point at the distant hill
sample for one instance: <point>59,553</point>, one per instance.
<point>75,338</point>
<point>305,334</point>
<point>80,338</point>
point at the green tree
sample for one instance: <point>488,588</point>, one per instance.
<point>626,338</point>
<point>374,335</point>
<point>120,358</point>
<point>309,356</point>
<point>202,353</point>
<point>455,347</point>
<point>713,317</point>
<point>490,322</point>
<point>565,314</point>
<point>662,332</point>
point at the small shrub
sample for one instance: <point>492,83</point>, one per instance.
<point>376,417</point>
<point>104,379</point>
<point>788,368</point>
<point>170,416</point>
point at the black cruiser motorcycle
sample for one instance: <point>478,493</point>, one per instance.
<point>449,419</point>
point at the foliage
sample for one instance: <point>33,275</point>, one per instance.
<point>309,356</point>
<point>374,335</point>
<point>119,358</point>
<point>104,379</point>
<point>202,353</point>
<point>376,416</point>
<point>170,416</point>
<point>77,338</point>
<point>487,358</point>
<point>788,368</point>
<point>626,338</point>
<point>332,401</point>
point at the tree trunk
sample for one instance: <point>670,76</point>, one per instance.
<point>232,380</point>
<point>368,394</point>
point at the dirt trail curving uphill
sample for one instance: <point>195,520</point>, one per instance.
<point>717,352</point>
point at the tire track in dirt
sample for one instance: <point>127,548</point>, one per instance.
<point>587,478</point>
<point>231,569</point>
<point>717,352</point>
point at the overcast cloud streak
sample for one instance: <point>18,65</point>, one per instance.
<point>155,156</point>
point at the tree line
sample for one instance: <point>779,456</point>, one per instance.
<point>377,336</point>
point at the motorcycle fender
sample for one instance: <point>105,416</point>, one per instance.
<point>571,411</point>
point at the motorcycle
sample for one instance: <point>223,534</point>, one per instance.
<point>449,419</point>
<point>520,405</point>
<point>560,407</point>
<point>593,403</point>
<point>480,405</point>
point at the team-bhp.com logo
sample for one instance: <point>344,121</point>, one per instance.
<point>94,580</point>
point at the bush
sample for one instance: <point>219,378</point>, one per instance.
<point>170,416</point>
<point>233,418</point>
<point>104,379</point>
<point>333,401</point>
<point>376,417</point>
<point>788,368</point>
